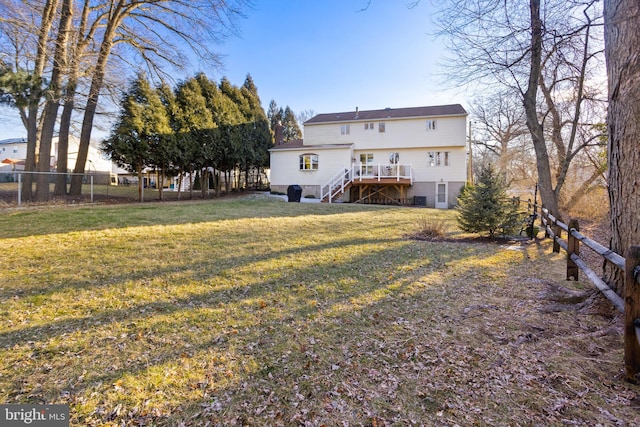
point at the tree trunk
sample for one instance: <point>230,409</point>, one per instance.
<point>622,38</point>
<point>160,182</point>
<point>140,185</point>
<point>89,115</point>
<point>69,100</point>
<point>33,131</point>
<point>180,177</point>
<point>52,105</point>
<point>115,20</point>
<point>545,183</point>
<point>63,141</point>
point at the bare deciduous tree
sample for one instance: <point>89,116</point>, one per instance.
<point>155,34</point>
<point>545,56</point>
<point>498,130</point>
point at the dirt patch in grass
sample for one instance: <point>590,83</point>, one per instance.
<point>257,312</point>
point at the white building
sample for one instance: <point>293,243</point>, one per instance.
<point>13,153</point>
<point>402,156</point>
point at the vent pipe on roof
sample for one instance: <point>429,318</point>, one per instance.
<point>356,113</point>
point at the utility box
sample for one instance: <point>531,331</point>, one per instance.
<point>420,201</point>
<point>294,193</point>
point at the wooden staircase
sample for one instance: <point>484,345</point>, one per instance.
<point>371,180</point>
<point>337,186</point>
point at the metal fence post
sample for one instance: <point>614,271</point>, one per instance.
<point>573,247</point>
<point>632,314</point>
<point>19,189</point>
<point>91,188</point>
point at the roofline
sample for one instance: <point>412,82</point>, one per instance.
<point>383,119</point>
<point>313,147</point>
<point>402,113</point>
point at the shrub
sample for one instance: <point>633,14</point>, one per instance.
<point>485,206</point>
<point>429,227</point>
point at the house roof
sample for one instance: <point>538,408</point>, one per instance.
<point>13,141</point>
<point>298,144</point>
<point>389,113</point>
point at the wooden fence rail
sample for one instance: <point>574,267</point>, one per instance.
<point>630,265</point>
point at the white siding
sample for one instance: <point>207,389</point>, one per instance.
<point>411,138</point>
<point>95,160</point>
<point>399,133</point>
<point>285,166</point>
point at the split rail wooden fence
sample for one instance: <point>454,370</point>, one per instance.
<point>630,265</point>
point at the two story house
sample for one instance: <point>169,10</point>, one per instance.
<point>395,155</point>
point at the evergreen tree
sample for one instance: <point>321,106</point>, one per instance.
<point>274,114</point>
<point>290,130</point>
<point>485,206</point>
<point>260,137</point>
<point>192,117</point>
<point>140,129</point>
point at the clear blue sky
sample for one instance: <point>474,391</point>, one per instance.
<point>332,56</point>
<point>329,56</point>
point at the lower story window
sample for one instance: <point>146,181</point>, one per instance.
<point>308,162</point>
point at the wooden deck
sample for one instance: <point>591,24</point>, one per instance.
<point>382,191</point>
<point>377,184</point>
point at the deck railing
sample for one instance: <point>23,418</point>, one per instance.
<point>383,172</point>
<point>361,171</point>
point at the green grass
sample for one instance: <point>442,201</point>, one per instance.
<point>257,312</point>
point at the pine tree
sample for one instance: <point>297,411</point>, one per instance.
<point>274,114</point>
<point>291,129</point>
<point>485,206</point>
<point>193,116</point>
<point>141,128</point>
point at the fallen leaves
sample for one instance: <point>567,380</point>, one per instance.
<point>343,322</point>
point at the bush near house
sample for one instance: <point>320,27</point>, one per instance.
<point>485,207</point>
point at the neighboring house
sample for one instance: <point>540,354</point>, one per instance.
<point>13,153</point>
<point>400,155</point>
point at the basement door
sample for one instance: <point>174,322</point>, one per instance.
<point>441,195</point>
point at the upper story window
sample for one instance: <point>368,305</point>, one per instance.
<point>368,126</point>
<point>438,158</point>
<point>308,162</point>
<point>431,125</point>
<point>345,129</point>
<point>381,127</point>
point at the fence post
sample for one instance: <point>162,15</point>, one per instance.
<point>573,247</point>
<point>631,314</point>
<point>557,231</point>
<point>19,189</point>
<point>545,223</point>
<point>533,219</point>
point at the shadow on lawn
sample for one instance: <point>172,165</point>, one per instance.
<point>65,219</point>
<point>310,304</point>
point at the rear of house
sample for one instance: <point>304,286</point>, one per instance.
<point>403,156</point>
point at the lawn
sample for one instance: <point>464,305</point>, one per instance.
<point>253,311</point>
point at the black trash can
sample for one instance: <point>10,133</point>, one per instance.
<point>294,193</point>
